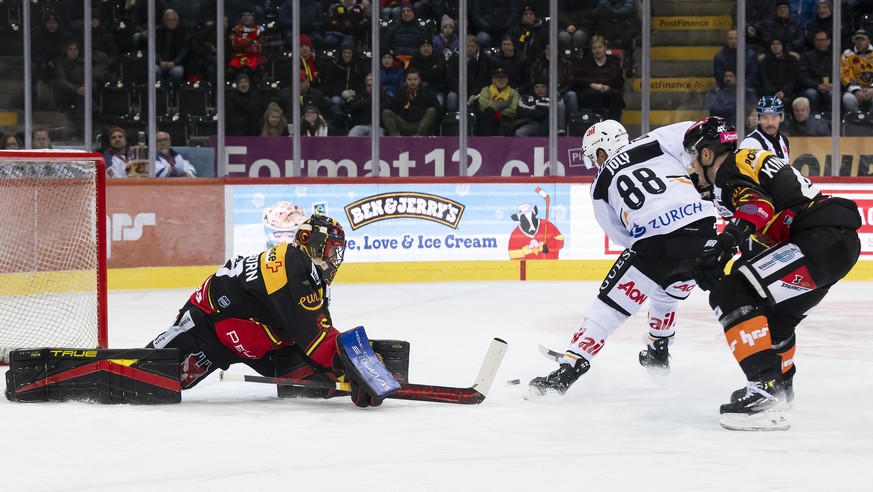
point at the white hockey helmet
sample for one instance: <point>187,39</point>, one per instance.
<point>607,135</point>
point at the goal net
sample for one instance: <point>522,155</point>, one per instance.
<point>52,250</point>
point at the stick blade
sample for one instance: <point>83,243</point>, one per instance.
<point>488,371</point>
<point>550,354</point>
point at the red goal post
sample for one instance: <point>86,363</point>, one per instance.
<point>52,250</point>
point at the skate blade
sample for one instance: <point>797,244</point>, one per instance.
<point>771,420</point>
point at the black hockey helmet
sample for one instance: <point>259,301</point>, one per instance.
<point>714,132</point>
<point>770,105</point>
<point>324,241</point>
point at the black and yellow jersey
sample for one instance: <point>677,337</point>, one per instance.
<point>760,188</point>
<point>280,294</point>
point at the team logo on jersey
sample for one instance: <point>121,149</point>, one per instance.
<point>637,231</point>
<point>323,322</point>
<point>311,302</point>
<point>223,301</point>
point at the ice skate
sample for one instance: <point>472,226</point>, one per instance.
<point>657,358</point>
<point>762,408</point>
<point>789,391</point>
<point>558,381</point>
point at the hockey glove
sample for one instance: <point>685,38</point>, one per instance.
<point>360,396</point>
<point>710,264</point>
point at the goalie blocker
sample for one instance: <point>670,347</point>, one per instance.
<point>393,353</point>
<point>141,375</point>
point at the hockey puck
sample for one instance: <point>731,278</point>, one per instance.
<point>514,381</point>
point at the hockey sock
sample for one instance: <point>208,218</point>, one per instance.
<point>787,356</point>
<point>749,340</point>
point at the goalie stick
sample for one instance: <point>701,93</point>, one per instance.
<point>472,395</point>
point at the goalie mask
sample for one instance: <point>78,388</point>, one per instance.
<point>324,241</point>
<point>607,136</point>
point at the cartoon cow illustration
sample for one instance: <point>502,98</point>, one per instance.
<point>534,238</point>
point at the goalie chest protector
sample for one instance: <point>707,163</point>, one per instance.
<point>140,375</point>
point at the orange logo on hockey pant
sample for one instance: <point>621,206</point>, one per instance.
<point>749,337</point>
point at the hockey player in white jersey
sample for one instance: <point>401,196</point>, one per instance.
<point>645,201</point>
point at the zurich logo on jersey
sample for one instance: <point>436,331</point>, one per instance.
<point>637,231</point>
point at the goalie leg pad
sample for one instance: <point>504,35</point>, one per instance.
<point>146,376</point>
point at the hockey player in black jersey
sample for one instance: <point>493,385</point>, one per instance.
<point>270,312</point>
<point>812,243</point>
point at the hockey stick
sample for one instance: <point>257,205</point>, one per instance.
<point>550,354</point>
<point>472,395</point>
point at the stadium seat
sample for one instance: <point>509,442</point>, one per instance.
<point>116,100</point>
<point>858,124</point>
<point>579,123</point>
<point>177,126</point>
<point>450,126</point>
<point>192,98</point>
<point>135,69</point>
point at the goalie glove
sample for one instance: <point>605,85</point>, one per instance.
<point>710,264</point>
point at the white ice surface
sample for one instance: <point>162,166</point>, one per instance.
<point>616,429</point>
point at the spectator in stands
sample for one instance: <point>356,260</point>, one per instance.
<point>532,117</point>
<point>391,74</point>
<point>514,63</point>
<point>491,19</point>
<point>116,156</point>
<point>310,96</point>
<point>390,9</point>
<point>782,26</point>
<point>722,99</point>
<point>168,162</point>
<point>856,74</point>
<point>429,9</point>
<point>413,111</point>
<point>803,10</point>
<point>191,13</point>
<point>446,42</point>
<point>39,139</point>
<point>274,123</point>
<point>598,81</point>
<point>202,58</point>
<point>343,76</point>
<point>69,83</point>
<point>244,109</point>
<point>726,59</point>
<point>823,21</point>
<point>11,142</point>
<point>247,44</point>
<point>104,50</point>
<point>312,21</point>
<point>347,22</point>
<point>48,44</point>
<point>171,46</point>
<point>478,74</point>
<point>403,38</point>
<point>814,73</point>
<point>802,124</point>
<point>617,22</point>
<point>360,108</point>
<point>308,61</point>
<point>312,124</point>
<point>529,36</point>
<point>498,104</point>
<point>777,72</point>
<point>432,68</point>
<point>575,23</point>
<point>539,67</point>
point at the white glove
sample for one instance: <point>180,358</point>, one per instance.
<point>534,244</point>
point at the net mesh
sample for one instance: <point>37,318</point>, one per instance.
<point>48,255</point>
